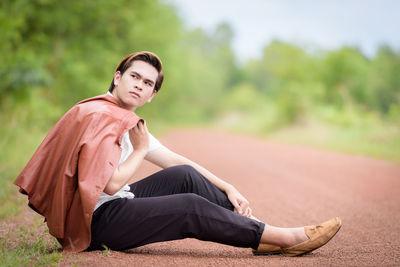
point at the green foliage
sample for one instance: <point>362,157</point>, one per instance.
<point>198,72</point>
<point>22,129</point>
<point>373,137</point>
<point>68,50</point>
<point>243,97</point>
<point>385,80</point>
<point>345,73</point>
<point>29,246</point>
<point>63,46</point>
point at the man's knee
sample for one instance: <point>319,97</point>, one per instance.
<point>192,201</point>
<point>184,172</point>
<point>184,168</point>
<point>187,179</point>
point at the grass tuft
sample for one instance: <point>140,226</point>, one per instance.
<point>27,247</point>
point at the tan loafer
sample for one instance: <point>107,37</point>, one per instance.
<point>318,236</point>
<point>265,249</point>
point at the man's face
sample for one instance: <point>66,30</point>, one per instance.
<point>136,86</point>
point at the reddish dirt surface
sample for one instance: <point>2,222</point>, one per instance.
<point>287,186</point>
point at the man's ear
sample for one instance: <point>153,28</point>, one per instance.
<point>117,77</point>
<point>151,97</point>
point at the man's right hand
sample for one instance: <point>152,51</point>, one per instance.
<point>139,136</point>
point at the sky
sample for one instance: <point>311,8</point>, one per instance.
<point>313,24</point>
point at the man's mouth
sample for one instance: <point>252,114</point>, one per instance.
<point>134,94</point>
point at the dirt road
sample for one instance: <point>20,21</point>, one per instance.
<point>287,186</point>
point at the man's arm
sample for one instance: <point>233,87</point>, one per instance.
<point>139,137</point>
<point>164,158</point>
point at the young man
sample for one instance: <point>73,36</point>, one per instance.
<point>80,179</point>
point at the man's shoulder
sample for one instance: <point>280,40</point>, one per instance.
<point>95,115</point>
<point>100,106</point>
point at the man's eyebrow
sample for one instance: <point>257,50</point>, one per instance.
<point>134,72</point>
<point>138,74</point>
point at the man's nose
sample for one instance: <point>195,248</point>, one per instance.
<point>139,84</point>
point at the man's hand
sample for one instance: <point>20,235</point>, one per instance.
<point>240,203</point>
<point>139,136</point>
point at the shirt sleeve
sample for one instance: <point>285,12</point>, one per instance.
<point>153,143</point>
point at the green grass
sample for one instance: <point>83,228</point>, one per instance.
<point>377,141</point>
<point>28,242</point>
<point>107,251</point>
<point>362,136</point>
<point>29,245</point>
<point>16,152</point>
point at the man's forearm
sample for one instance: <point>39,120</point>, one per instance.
<point>124,172</point>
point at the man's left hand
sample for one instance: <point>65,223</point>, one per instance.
<point>239,202</point>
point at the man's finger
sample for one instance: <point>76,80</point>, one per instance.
<point>245,212</point>
<point>245,205</point>
<point>237,207</point>
<point>139,123</point>
<point>248,212</point>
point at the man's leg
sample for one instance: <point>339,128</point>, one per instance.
<point>180,179</point>
<point>127,223</point>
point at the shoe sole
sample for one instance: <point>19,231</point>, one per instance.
<point>267,253</point>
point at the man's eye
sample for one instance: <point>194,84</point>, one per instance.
<point>134,76</point>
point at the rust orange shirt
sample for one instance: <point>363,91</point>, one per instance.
<point>70,169</point>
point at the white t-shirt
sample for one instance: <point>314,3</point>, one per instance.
<point>127,150</point>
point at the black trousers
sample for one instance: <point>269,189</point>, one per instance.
<point>174,203</point>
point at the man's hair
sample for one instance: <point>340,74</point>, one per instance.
<point>145,56</point>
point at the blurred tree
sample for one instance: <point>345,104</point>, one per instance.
<point>385,79</point>
<point>198,76</point>
<point>67,50</point>
<point>22,67</point>
<point>281,63</point>
<point>64,46</point>
<point>344,74</point>
<point>287,75</point>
